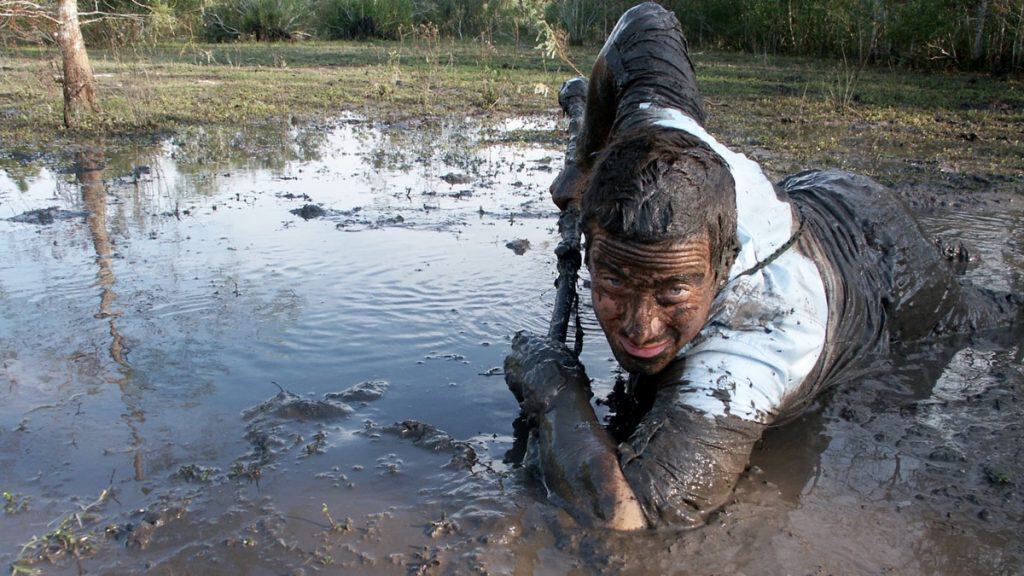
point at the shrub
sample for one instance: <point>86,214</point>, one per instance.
<point>262,20</point>
<point>338,19</point>
<point>580,19</point>
<point>465,18</point>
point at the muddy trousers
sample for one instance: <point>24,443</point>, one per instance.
<point>884,279</point>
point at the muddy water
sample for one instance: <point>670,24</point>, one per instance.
<point>147,333</point>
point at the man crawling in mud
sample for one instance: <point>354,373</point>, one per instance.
<point>731,302</point>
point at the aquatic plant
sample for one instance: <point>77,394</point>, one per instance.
<point>14,503</point>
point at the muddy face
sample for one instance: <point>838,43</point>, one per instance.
<point>650,299</point>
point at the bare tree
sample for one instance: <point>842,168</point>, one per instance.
<point>978,46</point>
<point>77,80</point>
<point>60,21</point>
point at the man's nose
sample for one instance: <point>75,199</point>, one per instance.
<point>644,323</point>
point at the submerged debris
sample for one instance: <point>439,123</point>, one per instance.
<point>309,212</point>
<point>431,438</point>
<point>344,526</point>
<point>443,527</point>
<point>444,356</point>
<point>318,443</point>
<point>50,547</point>
<point>140,535</point>
<point>366,391</point>
<point>14,503</point>
<point>251,472</point>
<point>956,254</point>
<point>292,196</point>
<point>69,538</point>
<point>196,473</point>
<point>996,476</point>
<point>453,178</point>
<point>44,216</point>
<point>385,221</point>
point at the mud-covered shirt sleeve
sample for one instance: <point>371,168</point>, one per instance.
<point>644,60</point>
<point>681,464</point>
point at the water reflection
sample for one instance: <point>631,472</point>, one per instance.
<point>89,171</point>
<point>206,150</point>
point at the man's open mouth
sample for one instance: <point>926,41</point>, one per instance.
<point>645,351</point>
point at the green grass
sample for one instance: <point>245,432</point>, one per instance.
<point>788,112</point>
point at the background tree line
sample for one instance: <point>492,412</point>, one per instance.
<point>967,34</point>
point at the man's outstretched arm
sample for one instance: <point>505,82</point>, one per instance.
<point>677,467</point>
<point>683,464</point>
<point>576,458</point>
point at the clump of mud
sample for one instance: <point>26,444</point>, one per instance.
<point>432,438</point>
<point>519,246</point>
<point>294,407</point>
<point>367,391</point>
<point>309,212</point>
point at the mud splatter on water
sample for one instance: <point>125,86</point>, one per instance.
<point>141,430</point>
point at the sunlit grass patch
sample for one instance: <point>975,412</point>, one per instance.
<point>802,112</point>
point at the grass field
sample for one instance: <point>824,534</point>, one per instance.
<point>789,113</point>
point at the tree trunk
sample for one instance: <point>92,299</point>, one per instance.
<point>877,30</point>
<point>79,85</point>
<point>978,49</point>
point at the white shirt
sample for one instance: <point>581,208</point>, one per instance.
<point>766,330</point>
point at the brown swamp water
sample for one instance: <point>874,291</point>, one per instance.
<point>176,292</point>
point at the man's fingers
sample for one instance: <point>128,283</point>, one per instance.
<point>527,351</point>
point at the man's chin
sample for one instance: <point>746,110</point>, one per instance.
<point>642,366</point>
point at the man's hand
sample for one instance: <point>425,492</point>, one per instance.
<point>537,370</point>
<point>576,459</point>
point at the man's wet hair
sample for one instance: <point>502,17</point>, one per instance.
<point>655,184</point>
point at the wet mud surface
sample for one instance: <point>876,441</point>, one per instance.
<point>287,362</point>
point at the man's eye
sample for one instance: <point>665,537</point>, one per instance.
<point>613,281</point>
<point>677,291</point>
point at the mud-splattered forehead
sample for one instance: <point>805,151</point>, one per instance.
<point>672,258</point>
<point>657,184</point>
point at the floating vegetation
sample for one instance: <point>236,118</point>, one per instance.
<point>14,503</point>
